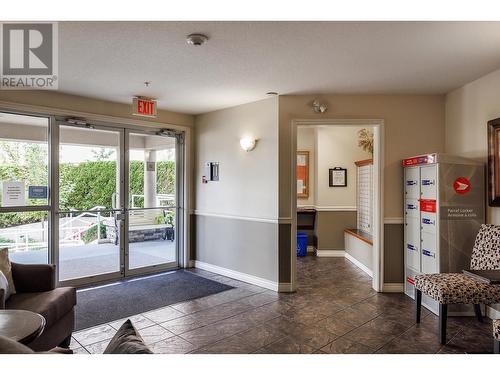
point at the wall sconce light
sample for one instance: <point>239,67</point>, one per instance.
<point>248,143</point>
<point>318,107</point>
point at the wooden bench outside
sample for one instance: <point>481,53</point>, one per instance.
<point>143,226</point>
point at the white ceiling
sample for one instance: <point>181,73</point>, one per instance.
<point>244,60</point>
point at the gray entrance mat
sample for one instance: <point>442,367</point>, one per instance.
<point>119,300</point>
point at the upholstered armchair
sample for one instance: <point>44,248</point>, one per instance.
<point>458,288</point>
<point>36,291</point>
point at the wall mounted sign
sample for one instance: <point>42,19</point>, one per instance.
<point>13,193</point>
<point>144,107</point>
<point>37,192</point>
<point>337,177</point>
<point>303,174</point>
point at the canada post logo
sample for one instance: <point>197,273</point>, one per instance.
<point>28,56</point>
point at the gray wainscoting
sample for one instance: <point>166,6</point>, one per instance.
<point>240,245</point>
<point>330,227</point>
<point>393,253</point>
<point>285,256</point>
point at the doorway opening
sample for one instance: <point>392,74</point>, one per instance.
<point>337,185</point>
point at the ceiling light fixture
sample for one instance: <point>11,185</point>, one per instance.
<point>196,39</point>
<point>271,93</point>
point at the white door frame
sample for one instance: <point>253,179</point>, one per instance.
<point>378,183</point>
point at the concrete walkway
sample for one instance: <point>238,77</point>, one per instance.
<point>87,260</point>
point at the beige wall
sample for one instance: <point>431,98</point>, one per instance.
<point>236,218</point>
<point>414,124</point>
<point>248,183</point>
<point>468,109</point>
<point>337,146</point>
<point>75,103</point>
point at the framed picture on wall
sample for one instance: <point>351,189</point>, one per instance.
<point>494,162</point>
<point>303,174</point>
<point>337,177</point>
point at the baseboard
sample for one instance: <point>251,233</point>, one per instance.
<point>330,253</point>
<point>358,264</point>
<point>311,249</point>
<point>255,280</point>
<point>393,288</point>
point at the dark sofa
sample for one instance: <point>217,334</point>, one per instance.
<point>36,291</point>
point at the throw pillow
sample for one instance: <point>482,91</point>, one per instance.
<point>4,284</point>
<point>6,269</point>
<point>127,341</point>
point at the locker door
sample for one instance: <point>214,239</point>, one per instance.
<point>412,245</point>
<point>429,254</point>
<point>412,178</point>
<point>428,182</point>
<point>411,208</point>
<point>428,222</point>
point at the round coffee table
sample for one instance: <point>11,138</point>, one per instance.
<point>21,325</point>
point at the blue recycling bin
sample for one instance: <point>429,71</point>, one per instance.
<point>301,244</point>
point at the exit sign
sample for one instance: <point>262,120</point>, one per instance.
<point>144,107</point>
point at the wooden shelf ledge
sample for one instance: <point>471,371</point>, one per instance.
<point>363,236</point>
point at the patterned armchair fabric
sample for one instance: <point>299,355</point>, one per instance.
<point>447,288</point>
<point>486,251</point>
<point>496,329</point>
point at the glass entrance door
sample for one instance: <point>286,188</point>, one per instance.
<point>117,203</point>
<point>151,218</point>
<point>89,204</point>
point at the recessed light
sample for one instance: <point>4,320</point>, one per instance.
<point>271,93</point>
<point>196,39</point>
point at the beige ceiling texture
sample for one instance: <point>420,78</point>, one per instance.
<point>244,60</point>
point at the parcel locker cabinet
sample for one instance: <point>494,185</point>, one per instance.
<point>443,210</point>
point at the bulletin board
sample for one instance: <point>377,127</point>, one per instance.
<point>302,174</point>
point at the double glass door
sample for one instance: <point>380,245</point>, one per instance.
<point>111,203</point>
<point>117,204</point>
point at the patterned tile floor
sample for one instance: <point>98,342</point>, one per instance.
<point>334,311</point>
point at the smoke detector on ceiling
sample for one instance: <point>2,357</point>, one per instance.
<point>196,39</point>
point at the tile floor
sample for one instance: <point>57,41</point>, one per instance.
<point>334,311</point>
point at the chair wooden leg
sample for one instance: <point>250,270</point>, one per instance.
<point>418,299</point>
<point>443,316</point>
<point>496,346</point>
<point>479,315</point>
